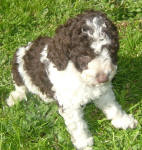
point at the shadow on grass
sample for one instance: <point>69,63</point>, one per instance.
<point>129,78</point>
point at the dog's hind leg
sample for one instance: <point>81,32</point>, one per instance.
<point>17,95</point>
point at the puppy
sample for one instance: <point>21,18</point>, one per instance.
<point>74,67</point>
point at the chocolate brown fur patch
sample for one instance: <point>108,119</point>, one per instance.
<point>70,42</point>
<point>35,69</point>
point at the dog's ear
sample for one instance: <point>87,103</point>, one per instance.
<point>61,61</point>
<point>59,58</point>
<point>83,61</point>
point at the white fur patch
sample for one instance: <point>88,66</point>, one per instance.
<point>44,54</point>
<point>124,122</point>
<point>77,127</point>
<point>17,95</point>
<point>70,89</point>
<point>99,37</point>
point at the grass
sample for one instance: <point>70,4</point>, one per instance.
<point>34,125</point>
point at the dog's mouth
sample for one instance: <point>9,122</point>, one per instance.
<point>100,84</point>
<point>96,81</point>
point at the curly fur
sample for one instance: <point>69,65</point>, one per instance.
<point>74,67</point>
<point>70,42</point>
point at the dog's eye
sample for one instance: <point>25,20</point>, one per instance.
<point>101,39</point>
<point>85,29</point>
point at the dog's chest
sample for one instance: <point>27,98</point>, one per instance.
<point>69,88</point>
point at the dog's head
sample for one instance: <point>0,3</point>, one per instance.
<point>90,41</point>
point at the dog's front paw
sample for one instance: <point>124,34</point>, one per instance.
<point>88,148</point>
<point>84,144</point>
<point>126,121</point>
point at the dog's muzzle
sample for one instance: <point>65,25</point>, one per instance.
<point>102,77</point>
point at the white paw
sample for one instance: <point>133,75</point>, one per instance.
<point>14,97</point>
<point>88,148</point>
<point>126,121</point>
<point>10,102</point>
<point>84,144</point>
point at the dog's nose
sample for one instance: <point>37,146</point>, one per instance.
<point>102,77</point>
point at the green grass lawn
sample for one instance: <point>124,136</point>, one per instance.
<point>34,125</point>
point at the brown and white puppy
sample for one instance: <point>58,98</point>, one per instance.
<point>74,67</point>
